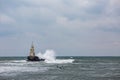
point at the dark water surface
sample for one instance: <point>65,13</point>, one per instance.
<point>64,68</point>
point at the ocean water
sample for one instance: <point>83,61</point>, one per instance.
<point>63,68</point>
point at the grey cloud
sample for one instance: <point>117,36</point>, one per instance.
<point>68,26</point>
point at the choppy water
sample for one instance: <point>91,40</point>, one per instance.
<point>64,68</point>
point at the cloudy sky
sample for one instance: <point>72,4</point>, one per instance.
<point>69,27</point>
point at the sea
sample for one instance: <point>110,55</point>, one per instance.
<point>62,68</point>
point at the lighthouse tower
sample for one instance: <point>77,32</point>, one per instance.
<point>32,52</point>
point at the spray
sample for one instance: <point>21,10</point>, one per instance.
<point>50,57</point>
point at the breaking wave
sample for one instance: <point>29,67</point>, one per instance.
<point>60,61</point>
<point>50,57</point>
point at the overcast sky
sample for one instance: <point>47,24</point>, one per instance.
<point>69,27</point>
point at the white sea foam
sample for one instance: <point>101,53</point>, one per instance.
<point>50,57</point>
<point>15,70</point>
<point>19,61</point>
<point>60,61</point>
<point>15,63</point>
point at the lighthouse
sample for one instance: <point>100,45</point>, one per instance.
<point>32,56</point>
<point>32,52</point>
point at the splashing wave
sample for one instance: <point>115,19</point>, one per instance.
<point>50,57</point>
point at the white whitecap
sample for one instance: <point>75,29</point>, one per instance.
<point>60,61</point>
<point>14,70</point>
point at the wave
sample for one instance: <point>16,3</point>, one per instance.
<point>19,61</point>
<point>50,57</point>
<point>60,61</point>
<point>15,70</point>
